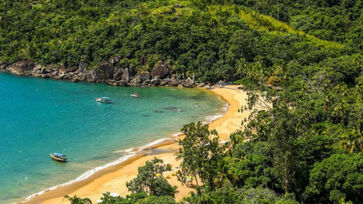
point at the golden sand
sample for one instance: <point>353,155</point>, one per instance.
<point>113,179</point>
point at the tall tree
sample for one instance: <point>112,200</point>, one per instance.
<point>200,153</point>
<point>150,180</point>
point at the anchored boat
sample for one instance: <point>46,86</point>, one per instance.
<point>135,95</point>
<point>104,99</point>
<point>58,157</point>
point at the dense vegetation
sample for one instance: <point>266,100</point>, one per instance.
<point>213,40</point>
<point>303,57</point>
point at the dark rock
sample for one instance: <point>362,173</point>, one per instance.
<point>78,71</point>
<point>112,83</point>
<point>83,66</point>
<point>82,77</point>
<point>146,82</point>
<point>115,59</point>
<point>43,70</point>
<point>144,76</point>
<point>54,73</point>
<point>132,71</point>
<point>44,76</point>
<point>62,71</point>
<point>123,83</point>
<point>136,81</point>
<point>161,70</point>
<point>189,83</point>
<point>163,83</point>
<point>37,68</point>
<point>72,69</point>
<point>118,74</point>
<point>2,65</point>
<point>126,75</point>
<point>202,84</point>
<point>219,84</point>
<point>25,64</point>
<point>155,81</point>
<point>173,82</point>
<point>139,79</point>
<point>37,75</point>
<point>22,67</point>
<point>89,77</point>
<point>103,72</point>
<point>75,80</point>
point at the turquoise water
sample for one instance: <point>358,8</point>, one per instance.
<point>39,116</point>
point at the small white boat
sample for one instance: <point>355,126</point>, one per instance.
<point>135,95</point>
<point>104,99</point>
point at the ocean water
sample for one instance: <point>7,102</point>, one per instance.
<point>39,116</point>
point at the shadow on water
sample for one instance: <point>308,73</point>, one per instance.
<point>60,164</point>
<point>173,108</point>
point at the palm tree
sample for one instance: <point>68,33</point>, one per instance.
<point>353,141</point>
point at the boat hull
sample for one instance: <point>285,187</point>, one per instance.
<point>102,101</point>
<point>57,158</point>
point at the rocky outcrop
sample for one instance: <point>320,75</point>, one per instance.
<point>115,59</point>
<point>155,81</point>
<point>189,83</point>
<point>162,71</point>
<point>107,72</point>
<point>118,74</point>
<point>103,72</point>
<point>140,80</point>
<point>126,75</point>
<point>22,67</point>
<point>83,66</point>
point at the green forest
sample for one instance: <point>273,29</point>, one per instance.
<point>303,58</point>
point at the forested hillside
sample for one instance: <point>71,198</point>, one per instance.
<point>304,57</point>
<point>214,40</point>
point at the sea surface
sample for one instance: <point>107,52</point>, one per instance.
<point>39,116</point>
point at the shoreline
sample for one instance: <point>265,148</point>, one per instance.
<point>112,177</point>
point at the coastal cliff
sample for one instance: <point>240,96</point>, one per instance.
<point>105,72</point>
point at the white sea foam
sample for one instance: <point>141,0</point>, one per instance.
<point>212,118</point>
<point>154,143</point>
<point>130,150</point>
<point>177,134</point>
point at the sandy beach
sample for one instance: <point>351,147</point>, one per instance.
<point>113,179</point>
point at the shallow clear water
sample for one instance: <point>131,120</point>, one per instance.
<point>39,116</point>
